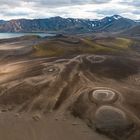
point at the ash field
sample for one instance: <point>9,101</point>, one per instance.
<point>70,88</point>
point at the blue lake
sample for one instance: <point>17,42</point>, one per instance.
<point>12,35</point>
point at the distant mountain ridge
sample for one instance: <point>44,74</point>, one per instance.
<point>133,32</point>
<point>114,23</point>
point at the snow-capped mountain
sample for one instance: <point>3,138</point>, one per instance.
<point>70,25</point>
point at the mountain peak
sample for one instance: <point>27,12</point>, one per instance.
<point>110,24</point>
<point>117,17</point>
<point>56,17</point>
<point>112,18</point>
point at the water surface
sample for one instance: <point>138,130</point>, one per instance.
<point>12,35</point>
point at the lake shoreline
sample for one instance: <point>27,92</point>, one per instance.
<point>15,35</point>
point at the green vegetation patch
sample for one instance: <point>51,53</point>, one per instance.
<point>45,49</point>
<point>54,48</point>
<point>116,43</point>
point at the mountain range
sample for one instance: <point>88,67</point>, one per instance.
<point>113,23</point>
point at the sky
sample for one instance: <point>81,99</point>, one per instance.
<point>89,9</point>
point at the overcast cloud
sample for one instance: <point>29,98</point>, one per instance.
<point>92,9</point>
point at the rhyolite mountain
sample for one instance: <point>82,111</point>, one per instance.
<point>133,31</point>
<point>2,22</point>
<point>114,23</point>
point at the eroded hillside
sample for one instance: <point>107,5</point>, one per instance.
<point>90,83</point>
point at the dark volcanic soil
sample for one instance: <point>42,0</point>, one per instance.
<point>82,97</point>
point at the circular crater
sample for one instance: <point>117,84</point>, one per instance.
<point>51,70</point>
<point>111,119</point>
<point>96,59</point>
<point>103,96</point>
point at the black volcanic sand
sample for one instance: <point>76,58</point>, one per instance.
<point>81,97</point>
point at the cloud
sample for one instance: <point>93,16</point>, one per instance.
<point>60,3</point>
<point>135,3</point>
<point>93,9</point>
